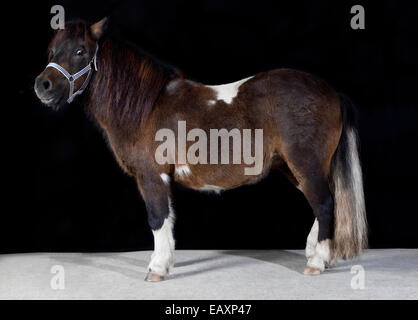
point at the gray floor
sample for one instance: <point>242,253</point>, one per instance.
<point>273,274</point>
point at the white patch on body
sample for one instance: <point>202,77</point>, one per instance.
<point>227,92</point>
<point>166,178</point>
<point>183,170</point>
<point>208,187</point>
<point>172,86</point>
<point>162,258</point>
<point>211,102</point>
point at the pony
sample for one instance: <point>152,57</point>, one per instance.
<point>309,134</point>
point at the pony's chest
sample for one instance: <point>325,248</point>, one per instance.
<point>127,154</point>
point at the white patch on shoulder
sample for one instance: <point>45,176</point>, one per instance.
<point>165,178</point>
<point>183,170</point>
<point>227,92</point>
<point>209,187</point>
<point>211,102</point>
<point>173,85</point>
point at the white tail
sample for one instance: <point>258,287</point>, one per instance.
<point>350,229</point>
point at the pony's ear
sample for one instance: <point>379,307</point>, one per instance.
<point>97,29</point>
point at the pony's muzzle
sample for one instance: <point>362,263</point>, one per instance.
<point>43,87</point>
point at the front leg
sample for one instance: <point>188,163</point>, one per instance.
<point>156,194</point>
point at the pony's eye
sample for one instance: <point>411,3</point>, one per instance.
<point>80,52</point>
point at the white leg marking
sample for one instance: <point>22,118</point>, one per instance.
<point>312,240</point>
<point>183,170</point>
<point>162,258</point>
<point>165,178</point>
<point>321,257</point>
<point>227,92</point>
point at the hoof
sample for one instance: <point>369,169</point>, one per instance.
<point>311,271</point>
<point>153,277</point>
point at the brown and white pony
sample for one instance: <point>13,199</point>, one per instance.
<point>308,134</point>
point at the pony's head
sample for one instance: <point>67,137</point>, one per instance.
<point>72,54</point>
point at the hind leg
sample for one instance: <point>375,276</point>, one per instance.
<point>308,177</point>
<point>318,250</point>
<point>312,241</point>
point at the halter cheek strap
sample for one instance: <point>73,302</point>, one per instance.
<point>73,77</point>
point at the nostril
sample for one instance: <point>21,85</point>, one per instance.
<point>46,83</point>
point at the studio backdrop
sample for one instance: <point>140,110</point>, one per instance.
<point>63,189</point>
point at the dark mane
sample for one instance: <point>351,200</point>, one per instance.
<point>128,83</point>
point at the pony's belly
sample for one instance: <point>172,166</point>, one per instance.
<point>207,177</point>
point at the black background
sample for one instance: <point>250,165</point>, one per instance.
<point>63,191</point>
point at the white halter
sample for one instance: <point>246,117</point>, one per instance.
<point>72,77</point>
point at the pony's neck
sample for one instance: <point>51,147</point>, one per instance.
<point>126,86</point>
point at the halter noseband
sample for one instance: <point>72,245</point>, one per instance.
<point>73,77</point>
